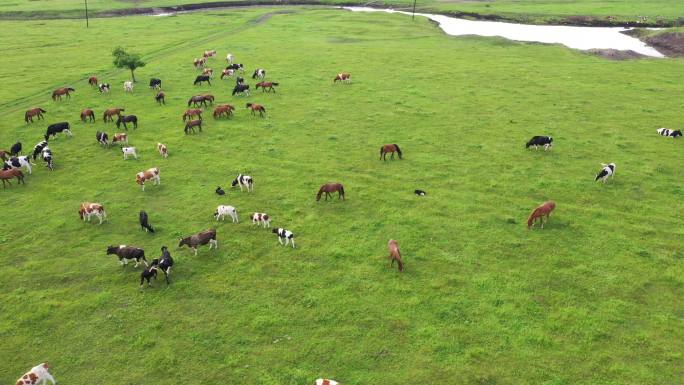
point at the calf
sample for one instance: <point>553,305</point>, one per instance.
<point>38,148</point>
<point>155,83</point>
<point>287,235</point>
<point>47,157</point>
<point>151,174</point>
<point>608,170</point>
<point>202,78</point>
<point>40,373</point>
<point>222,211</point>
<point>15,149</point>
<point>262,218</point>
<point>56,128</point>
<point>199,239</point>
<point>103,88</point>
<point>88,210</point>
<point>259,73</point>
<point>147,274</point>
<point>127,253</point>
<point>18,162</point>
<point>120,138</point>
<point>163,151</point>
<point>669,133</point>
<point>129,151</point>
<point>420,193</point>
<point>102,138</point>
<point>165,262</point>
<point>128,86</point>
<point>545,141</point>
<point>144,222</point>
<point>243,180</point>
<point>220,191</point>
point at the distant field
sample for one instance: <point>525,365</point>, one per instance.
<point>594,298</point>
<point>533,11</point>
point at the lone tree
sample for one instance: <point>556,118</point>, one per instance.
<point>123,59</point>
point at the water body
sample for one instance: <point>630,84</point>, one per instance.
<point>582,38</point>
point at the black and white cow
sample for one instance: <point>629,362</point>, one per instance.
<point>241,89</point>
<point>155,83</point>
<point>103,87</point>
<point>15,149</point>
<point>236,67</point>
<point>164,263</point>
<point>102,138</point>
<point>39,148</point>
<point>147,274</point>
<point>243,180</point>
<point>18,162</point>
<point>669,133</point>
<point>545,141</point>
<point>56,128</point>
<point>287,235</point>
<point>420,193</point>
<point>128,253</point>
<point>47,157</point>
<point>259,73</point>
<point>608,170</point>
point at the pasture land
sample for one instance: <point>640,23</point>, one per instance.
<point>594,298</point>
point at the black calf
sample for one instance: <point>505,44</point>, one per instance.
<point>147,274</point>
<point>143,222</point>
<point>16,149</point>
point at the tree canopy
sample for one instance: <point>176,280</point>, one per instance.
<point>123,59</point>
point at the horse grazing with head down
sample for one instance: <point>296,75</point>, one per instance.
<point>329,188</point>
<point>391,149</point>
<point>92,81</point>
<point>6,175</point>
<point>127,119</point>
<point>191,124</point>
<point>223,109</point>
<point>109,113</point>
<point>193,112</point>
<point>255,108</point>
<point>394,254</point>
<point>87,114</point>
<point>542,210</point>
<point>160,97</point>
<point>63,91</point>
<point>37,112</point>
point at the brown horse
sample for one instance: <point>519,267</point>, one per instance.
<point>110,112</point>
<point>328,188</point>
<point>191,126</point>
<point>255,108</point>
<point>192,112</point>
<point>391,149</point>
<point>92,81</point>
<point>543,209</point>
<point>58,93</point>
<point>160,97</point>
<point>223,109</point>
<point>88,114</point>
<point>4,154</point>
<point>394,254</point>
<point>6,175</point>
<point>36,111</point>
<point>266,85</point>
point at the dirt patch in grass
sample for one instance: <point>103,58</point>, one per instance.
<point>615,54</point>
<point>669,43</point>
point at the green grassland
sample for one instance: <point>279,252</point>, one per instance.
<point>594,298</point>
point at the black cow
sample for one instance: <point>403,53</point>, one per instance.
<point>56,128</point>
<point>16,149</point>
<point>241,89</point>
<point>39,148</point>
<point>202,78</point>
<point>545,141</point>
<point>155,83</point>
<point>144,222</point>
<point>220,191</point>
<point>126,253</point>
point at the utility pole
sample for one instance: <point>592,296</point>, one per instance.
<point>413,17</point>
<point>86,9</point>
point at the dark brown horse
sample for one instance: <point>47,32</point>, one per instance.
<point>255,108</point>
<point>36,111</point>
<point>88,114</point>
<point>391,149</point>
<point>160,97</point>
<point>394,254</point>
<point>64,91</point>
<point>266,85</point>
<point>329,188</point>
<point>192,124</point>
<point>193,112</point>
<point>92,81</point>
<point>110,112</point>
<point>542,210</point>
<point>223,109</point>
<point>6,175</point>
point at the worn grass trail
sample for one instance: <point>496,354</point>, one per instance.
<point>595,298</point>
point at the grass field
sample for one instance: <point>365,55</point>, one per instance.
<point>594,298</point>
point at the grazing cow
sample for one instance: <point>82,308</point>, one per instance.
<point>18,162</point>
<point>47,157</point>
<point>259,73</point>
<point>108,114</point>
<point>128,253</point>
<point>163,151</point>
<point>165,262</point>
<point>198,63</point>
<point>193,112</point>
<point>38,148</point>
<point>230,58</point>
<point>190,125</point>
<point>540,211</point>
<point>87,210</point>
<point>102,138</point>
<point>669,133</point>
<point>325,381</point>
<point>129,151</point>
<point>208,71</point>
<point>128,86</point>
<point>608,170</point>
<point>144,222</point>
<point>127,119</point>
<point>7,175</point>
<point>160,98</point>
<point>92,81</point>
<point>151,174</point>
<point>287,235</point>
<point>87,114</point>
<point>30,113</point>
<point>267,86</point>
<point>222,211</point>
<point>241,89</point>
<point>120,137</point>
<point>220,191</point>
<point>103,88</point>
<point>147,274</point>
<point>394,254</point>
<point>199,239</point>
<point>262,218</point>
<point>201,78</point>
<point>420,193</point>
<point>227,73</point>
<point>155,83</point>
<point>545,141</point>
<point>40,373</point>
<point>342,77</point>
<point>243,180</point>
<point>56,128</point>
<point>209,53</point>
<point>236,67</point>
<point>256,107</point>
<point>15,149</point>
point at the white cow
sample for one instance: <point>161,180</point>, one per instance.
<point>222,211</point>
<point>128,86</point>
<point>129,151</point>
